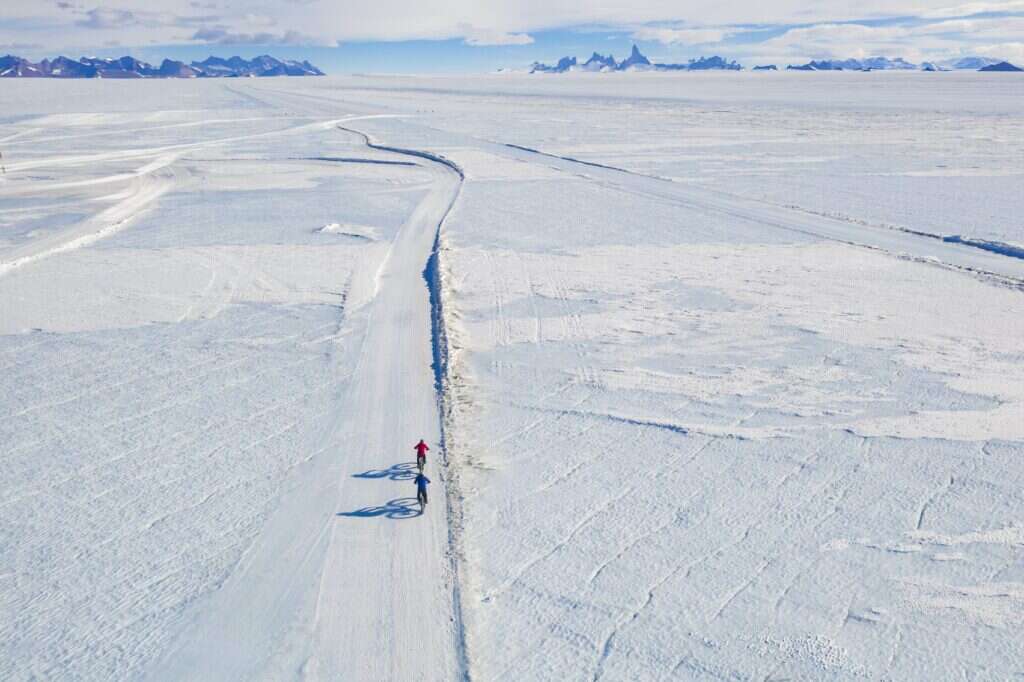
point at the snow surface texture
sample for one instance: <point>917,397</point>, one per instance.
<point>704,417</point>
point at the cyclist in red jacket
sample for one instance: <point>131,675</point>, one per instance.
<point>421,454</point>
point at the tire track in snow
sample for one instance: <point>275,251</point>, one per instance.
<point>148,152</point>
<point>151,183</point>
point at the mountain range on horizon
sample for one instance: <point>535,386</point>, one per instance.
<point>900,64</point>
<point>637,61</point>
<point>129,67</point>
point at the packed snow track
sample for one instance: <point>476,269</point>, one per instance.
<point>383,605</point>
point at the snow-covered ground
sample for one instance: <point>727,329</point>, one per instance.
<point>712,408</point>
<point>941,153</point>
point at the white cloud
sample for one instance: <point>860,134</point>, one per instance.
<point>682,36</point>
<point>1013,52</point>
<point>259,20</point>
<point>994,37</point>
<point>840,41</point>
<point>968,9</point>
<point>8,47</point>
<point>481,37</point>
<point>105,17</point>
<point>221,36</point>
<point>975,29</point>
<point>832,33</point>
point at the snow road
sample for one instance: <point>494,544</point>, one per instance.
<point>372,596</point>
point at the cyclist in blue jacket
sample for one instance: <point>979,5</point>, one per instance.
<point>421,482</point>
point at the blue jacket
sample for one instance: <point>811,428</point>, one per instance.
<point>421,482</point>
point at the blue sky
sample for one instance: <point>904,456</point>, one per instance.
<point>467,36</point>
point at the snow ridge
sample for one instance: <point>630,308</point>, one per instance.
<point>443,387</point>
<point>442,366</point>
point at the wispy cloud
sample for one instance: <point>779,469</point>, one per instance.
<point>481,37</point>
<point>836,40</point>
<point>1012,51</point>
<point>19,46</point>
<point>972,8</point>
<point>107,18</point>
<point>682,36</point>
<point>220,36</point>
<point>975,29</point>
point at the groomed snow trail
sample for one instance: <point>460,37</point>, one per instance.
<point>349,581</point>
<point>401,582</point>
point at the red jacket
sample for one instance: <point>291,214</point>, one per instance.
<point>421,449</point>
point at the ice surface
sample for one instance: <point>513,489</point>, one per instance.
<point>715,405</point>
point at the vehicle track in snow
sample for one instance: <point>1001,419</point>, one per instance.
<point>159,175</point>
<point>985,261</point>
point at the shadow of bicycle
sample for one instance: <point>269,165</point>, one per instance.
<point>402,508</point>
<point>398,472</point>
